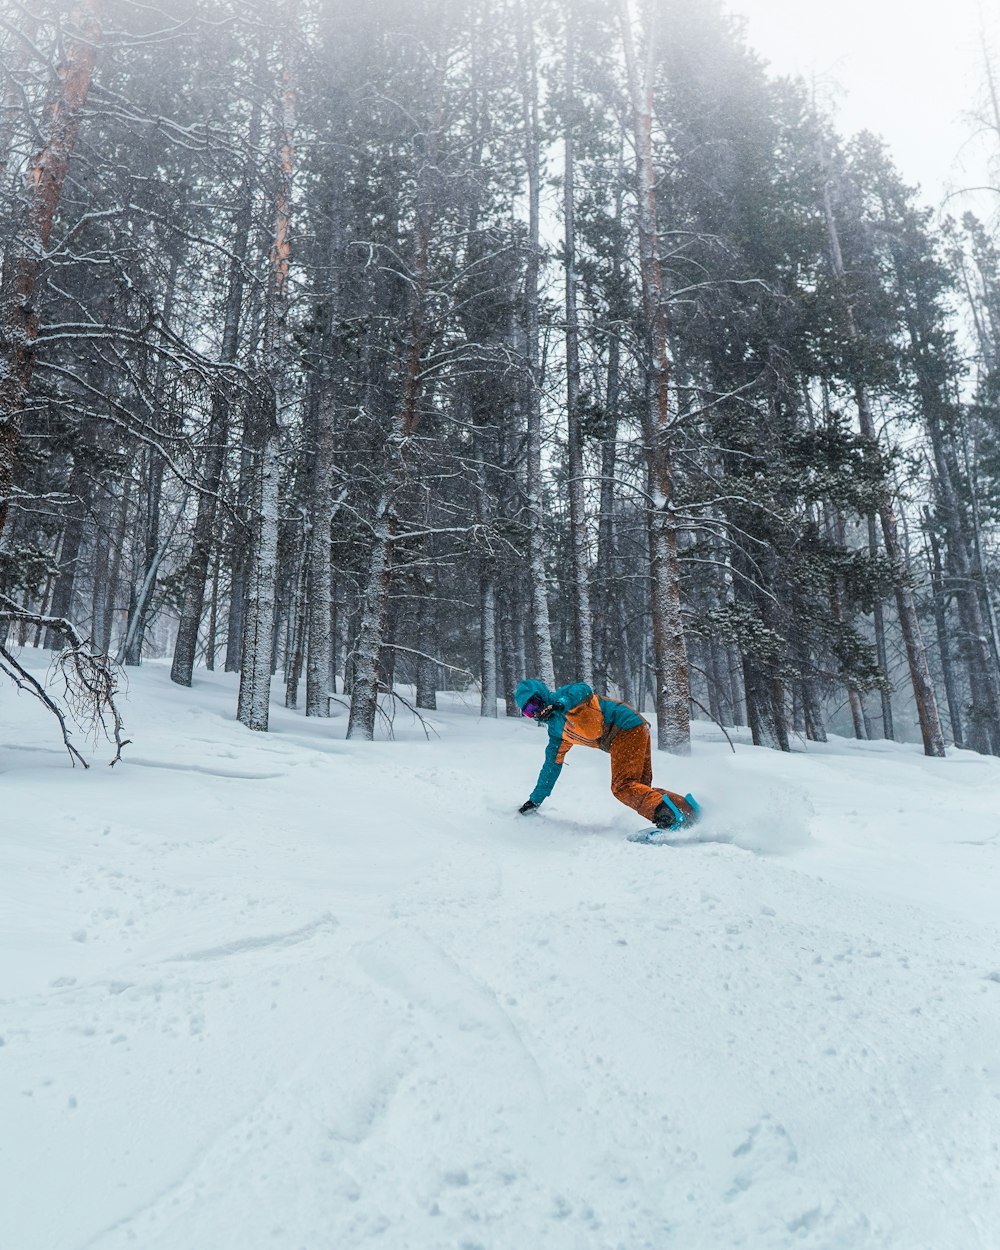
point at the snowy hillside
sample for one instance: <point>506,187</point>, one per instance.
<point>288,991</point>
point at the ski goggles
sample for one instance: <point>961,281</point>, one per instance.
<point>533,706</point>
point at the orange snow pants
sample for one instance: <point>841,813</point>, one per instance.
<point>632,774</point>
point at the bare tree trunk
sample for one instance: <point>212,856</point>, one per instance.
<point>761,712</point>
<point>669,652</point>
<point>583,636</point>
<point>916,655</point>
<point>815,729</point>
<point>511,662</point>
<point>296,635</point>
<point>374,611</point>
<point>259,627</point>
<point>241,535</point>
<point>985,712</point>
<point>944,642</point>
<point>880,644</point>
<point>100,579</point>
<point>713,683</point>
<point>736,691</point>
<point>110,605</point>
<point>836,530</point>
<point>427,632</point>
<point>192,603</point>
<point>319,649</point>
<point>213,615</point>
<point>322,508</point>
<point>375,597</point>
<point>488,641</point>
<point>186,644</point>
<point>141,595</point>
<point>609,628</point>
<point>537,547</point>
<point>23,265</point>
<point>61,605</point>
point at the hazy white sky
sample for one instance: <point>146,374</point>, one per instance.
<point>908,69</point>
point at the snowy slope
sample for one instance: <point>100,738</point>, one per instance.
<point>288,991</point>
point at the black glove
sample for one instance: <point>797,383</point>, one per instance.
<point>525,808</point>
<point>549,711</point>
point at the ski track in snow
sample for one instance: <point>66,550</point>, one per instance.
<point>360,1003</point>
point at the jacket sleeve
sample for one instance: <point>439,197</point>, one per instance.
<point>549,775</point>
<point>573,695</point>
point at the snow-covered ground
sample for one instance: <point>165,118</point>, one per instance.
<point>288,991</point>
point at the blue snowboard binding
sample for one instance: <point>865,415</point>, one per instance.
<point>682,822</point>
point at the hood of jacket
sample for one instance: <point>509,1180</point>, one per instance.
<point>531,686</point>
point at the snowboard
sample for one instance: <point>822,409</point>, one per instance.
<point>654,836</point>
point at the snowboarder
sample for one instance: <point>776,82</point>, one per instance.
<point>575,716</point>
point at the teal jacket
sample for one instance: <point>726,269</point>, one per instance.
<point>582,718</point>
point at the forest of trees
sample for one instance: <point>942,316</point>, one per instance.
<point>411,345</point>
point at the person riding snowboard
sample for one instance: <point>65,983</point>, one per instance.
<point>575,716</point>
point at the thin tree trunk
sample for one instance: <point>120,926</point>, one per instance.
<point>375,598</point>
<point>983,677</point>
<point>375,606</point>
<point>736,688</point>
<point>259,620</point>
<point>488,641</point>
<point>669,653</point>
<point>320,602</point>
<point>69,555</point>
<point>192,602</point>
<point>296,637</point>
<point>141,596</point>
<point>537,543</point>
<point>322,508</point>
<point>943,638</point>
<point>916,655</point>
<point>880,643</point>
<point>23,266</point>
<point>241,535</point>
<point>583,637</point>
<point>117,555</point>
<point>511,664</point>
<point>427,669</point>
<point>259,627</point>
<point>99,573</point>
<point>213,615</point>
<point>610,608</point>
<point>815,729</point>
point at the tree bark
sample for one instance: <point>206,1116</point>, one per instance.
<point>537,545</point>
<point>259,625</point>
<point>375,597</point>
<point>881,649</point>
<point>670,662</point>
<point>322,507</point>
<point>46,174</point>
<point>916,654</point>
<point>61,604</point>
<point>583,635</point>
<point>488,640</point>
<point>319,649</point>
<point>374,612</point>
<point>943,638</point>
<point>193,600</point>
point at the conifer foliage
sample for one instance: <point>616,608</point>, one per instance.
<point>407,346</point>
